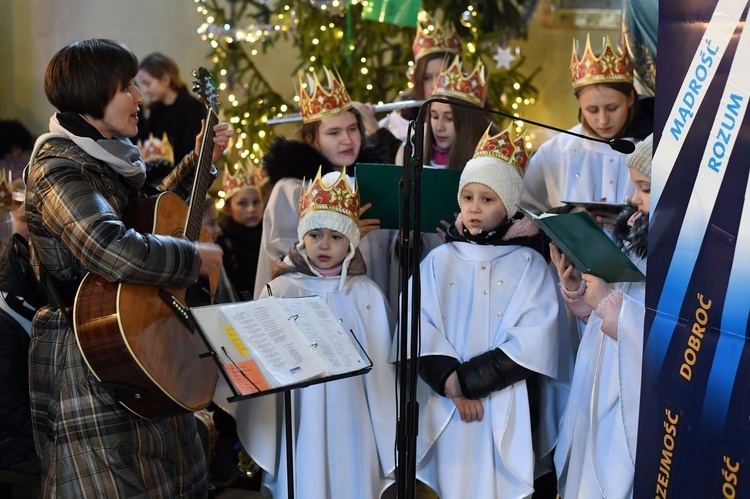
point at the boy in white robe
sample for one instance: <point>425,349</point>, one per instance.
<point>595,455</point>
<point>488,330</point>
<point>344,429</point>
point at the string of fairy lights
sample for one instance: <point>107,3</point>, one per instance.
<point>250,99</point>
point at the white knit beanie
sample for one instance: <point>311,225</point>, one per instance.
<point>496,174</point>
<point>640,159</point>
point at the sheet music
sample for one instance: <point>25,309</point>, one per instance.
<point>334,345</point>
<point>284,354</point>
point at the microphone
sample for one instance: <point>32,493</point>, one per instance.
<point>623,146</point>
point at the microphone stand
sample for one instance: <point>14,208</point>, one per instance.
<point>410,245</point>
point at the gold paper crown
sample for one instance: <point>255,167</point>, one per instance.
<point>453,83</point>
<point>338,198</point>
<point>245,176</point>
<point>156,150</point>
<point>316,103</point>
<point>6,190</point>
<point>609,67</point>
<point>503,147</point>
<point>438,39</point>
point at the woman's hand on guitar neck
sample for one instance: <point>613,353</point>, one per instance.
<point>222,133</point>
<point>211,257</point>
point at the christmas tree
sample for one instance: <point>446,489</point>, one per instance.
<point>371,57</point>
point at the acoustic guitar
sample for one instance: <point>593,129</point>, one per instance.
<point>139,340</point>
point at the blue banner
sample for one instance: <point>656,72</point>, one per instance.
<point>694,428</point>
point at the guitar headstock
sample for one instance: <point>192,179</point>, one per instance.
<point>204,86</point>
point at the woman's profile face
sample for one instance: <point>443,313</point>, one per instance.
<point>121,114</point>
<point>339,139</point>
<point>604,110</point>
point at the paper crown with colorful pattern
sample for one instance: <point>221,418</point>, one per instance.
<point>433,38</point>
<point>317,102</point>
<point>504,148</point>
<point>244,176</point>
<point>453,83</point>
<point>154,149</point>
<point>330,202</point>
<point>610,66</point>
<point>498,162</point>
<point>6,190</point>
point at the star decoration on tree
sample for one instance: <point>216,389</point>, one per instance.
<point>503,58</point>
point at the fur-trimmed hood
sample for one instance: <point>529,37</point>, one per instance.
<point>296,159</point>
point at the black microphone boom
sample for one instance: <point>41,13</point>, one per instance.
<point>623,146</point>
<point>410,245</point>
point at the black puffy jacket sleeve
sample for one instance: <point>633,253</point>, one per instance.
<point>435,369</point>
<point>489,372</point>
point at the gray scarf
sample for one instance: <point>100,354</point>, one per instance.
<point>118,153</point>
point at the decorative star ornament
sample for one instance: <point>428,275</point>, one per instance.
<point>503,58</point>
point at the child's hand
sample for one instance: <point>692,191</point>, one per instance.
<point>367,225</point>
<point>469,410</point>
<point>569,275</point>
<point>446,224</point>
<point>596,290</point>
<point>603,217</point>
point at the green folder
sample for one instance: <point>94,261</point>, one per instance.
<point>587,246</point>
<point>379,184</point>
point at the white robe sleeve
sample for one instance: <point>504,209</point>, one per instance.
<point>280,221</point>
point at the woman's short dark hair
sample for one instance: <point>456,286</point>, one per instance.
<point>83,77</point>
<point>158,65</point>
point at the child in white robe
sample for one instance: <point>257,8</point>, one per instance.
<point>595,455</point>
<point>488,328</point>
<point>344,429</point>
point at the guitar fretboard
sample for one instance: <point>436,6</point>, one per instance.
<point>202,180</point>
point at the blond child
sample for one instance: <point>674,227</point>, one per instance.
<point>595,455</point>
<point>241,228</point>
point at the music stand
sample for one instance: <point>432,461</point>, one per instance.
<point>210,325</point>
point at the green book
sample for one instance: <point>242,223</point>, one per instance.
<point>587,246</point>
<point>379,184</point>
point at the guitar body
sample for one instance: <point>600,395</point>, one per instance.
<point>131,338</point>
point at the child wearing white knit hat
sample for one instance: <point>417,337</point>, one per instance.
<point>489,331</point>
<point>347,422</point>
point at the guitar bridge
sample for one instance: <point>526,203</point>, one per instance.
<point>178,308</point>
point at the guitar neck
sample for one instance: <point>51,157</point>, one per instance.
<point>202,180</point>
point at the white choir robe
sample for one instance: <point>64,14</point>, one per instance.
<point>280,220</point>
<point>396,124</point>
<point>345,430</point>
<point>595,454</point>
<point>474,299</point>
<point>567,168</point>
